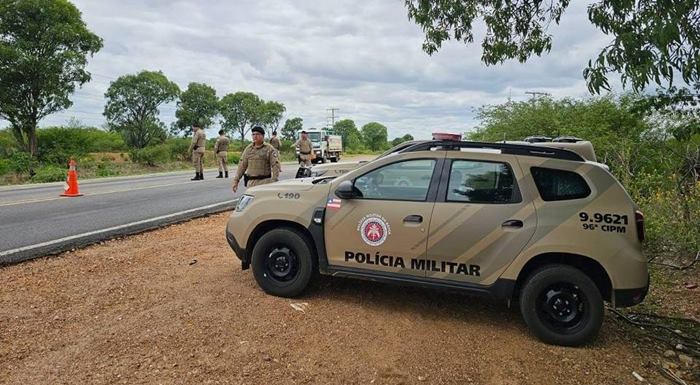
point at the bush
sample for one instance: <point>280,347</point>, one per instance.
<point>671,220</point>
<point>233,157</point>
<point>49,173</point>
<point>8,144</point>
<point>152,155</point>
<point>58,144</point>
<point>106,168</point>
<point>5,166</point>
<point>178,148</point>
<point>20,162</point>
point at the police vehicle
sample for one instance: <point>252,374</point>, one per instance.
<point>540,227</point>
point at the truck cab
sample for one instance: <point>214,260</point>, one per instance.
<point>326,145</point>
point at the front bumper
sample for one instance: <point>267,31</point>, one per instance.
<point>241,253</point>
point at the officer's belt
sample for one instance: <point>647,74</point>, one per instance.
<point>305,153</point>
<point>257,177</point>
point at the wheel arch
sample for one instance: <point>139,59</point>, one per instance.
<point>592,268</point>
<point>265,226</point>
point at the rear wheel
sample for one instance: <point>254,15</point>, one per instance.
<point>561,305</point>
<point>283,262</point>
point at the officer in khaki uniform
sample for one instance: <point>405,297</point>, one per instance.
<point>220,148</point>
<point>275,141</point>
<point>305,149</point>
<point>199,139</point>
<point>259,162</point>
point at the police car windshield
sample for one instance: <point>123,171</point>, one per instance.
<point>315,136</point>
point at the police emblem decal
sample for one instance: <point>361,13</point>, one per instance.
<point>374,229</point>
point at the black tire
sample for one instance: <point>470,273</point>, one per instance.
<point>283,262</point>
<point>561,305</point>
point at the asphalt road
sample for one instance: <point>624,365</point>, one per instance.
<point>36,221</point>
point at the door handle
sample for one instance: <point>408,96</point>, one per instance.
<point>413,219</point>
<point>512,223</point>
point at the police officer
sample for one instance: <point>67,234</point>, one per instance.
<point>305,149</point>
<point>259,162</point>
<point>199,139</point>
<point>275,141</point>
<point>220,148</point>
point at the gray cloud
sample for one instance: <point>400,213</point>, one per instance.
<point>362,57</point>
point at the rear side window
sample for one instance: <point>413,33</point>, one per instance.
<point>481,182</point>
<point>559,185</point>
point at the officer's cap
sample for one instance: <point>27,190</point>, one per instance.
<point>303,131</point>
<point>259,130</point>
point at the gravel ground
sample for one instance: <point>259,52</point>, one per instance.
<point>172,306</point>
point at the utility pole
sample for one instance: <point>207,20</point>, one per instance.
<point>537,93</point>
<point>332,117</point>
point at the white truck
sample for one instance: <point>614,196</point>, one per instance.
<point>326,145</point>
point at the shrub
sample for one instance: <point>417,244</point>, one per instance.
<point>5,166</point>
<point>106,168</point>
<point>58,144</point>
<point>671,221</point>
<point>49,173</point>
<point>8,144</point>
<point>20,162</point>
<point>233,157</point>
<point>152,155</point>
<point>179,148</point>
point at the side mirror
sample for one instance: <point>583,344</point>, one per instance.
<point>346,190</point>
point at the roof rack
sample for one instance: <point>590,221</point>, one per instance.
<point>513,149</point>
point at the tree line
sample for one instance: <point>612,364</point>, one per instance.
<point>133,101</point>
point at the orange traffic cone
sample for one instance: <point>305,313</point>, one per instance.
<point>72,182</point>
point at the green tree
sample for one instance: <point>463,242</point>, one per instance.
<point>132,107</point>
<point>651,40</point>
<point>291,126</point>
<point>240,112</point>
<point>44,45</point>
<point>198,104</point>
<point>272,113</point>
<point>346,128</point>
<point>402,139</point>
<point>374,135</point>
<point>612,125</point>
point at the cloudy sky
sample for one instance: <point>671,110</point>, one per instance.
<point>362,57</point>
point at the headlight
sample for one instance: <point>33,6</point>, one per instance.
<point>243,202</point>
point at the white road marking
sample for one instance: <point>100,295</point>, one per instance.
<point>72,237</point>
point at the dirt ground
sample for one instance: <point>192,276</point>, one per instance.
<point>172,307</point>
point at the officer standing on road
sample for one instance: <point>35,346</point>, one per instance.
<point>220,148</point>
<point>305,149</point>
<point>275,141</point>
<point>199,139</point>
<point>259,162</point>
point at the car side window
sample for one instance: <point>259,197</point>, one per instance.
<point>407,181</point>
<point>481,182</point>
<point>559,185</point>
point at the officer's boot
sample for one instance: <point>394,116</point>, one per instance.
<point>201,175</point>
<point>226,174</point>
<point>196,176</point>
<point>221,174</point>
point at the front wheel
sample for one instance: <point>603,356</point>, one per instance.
<point>283,263</point>
<point>562,306</point>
